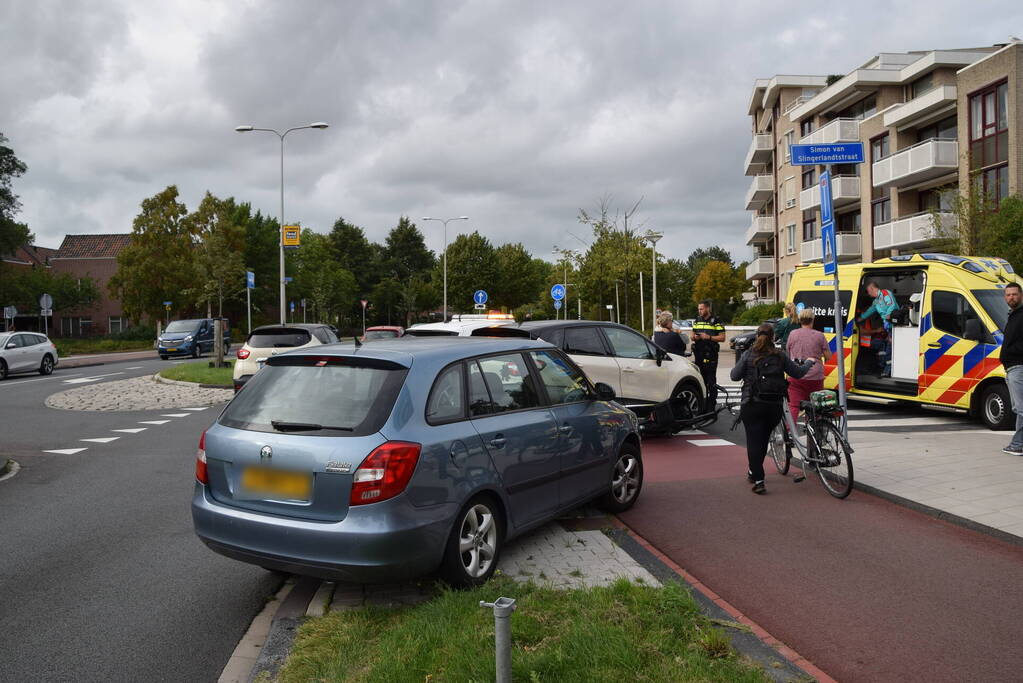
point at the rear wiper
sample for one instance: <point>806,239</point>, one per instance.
<point>305,427</point>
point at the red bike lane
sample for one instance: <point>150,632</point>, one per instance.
<point>863,588</point>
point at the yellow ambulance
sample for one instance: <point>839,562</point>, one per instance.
<point>944,338</point>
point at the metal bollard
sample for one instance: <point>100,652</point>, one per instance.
<point>503,607</point>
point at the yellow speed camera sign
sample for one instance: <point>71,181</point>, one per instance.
<point>291,236</point>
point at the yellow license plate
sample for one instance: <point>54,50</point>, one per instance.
<point>172,349</point>
<point>260,481</point>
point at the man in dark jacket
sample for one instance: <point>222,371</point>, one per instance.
<point>1012,361</point>
<point>708,333</point>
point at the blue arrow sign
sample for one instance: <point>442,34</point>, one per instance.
<point>558,292</point>
<point>250,279</point>
<point>841,153</point>
<point>826,207</point>
<point>557,304</point>
<point>480,297</point>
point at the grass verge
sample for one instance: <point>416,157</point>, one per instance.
<point>621,632</point>
<point>198,371</point>
<point>69,347</point>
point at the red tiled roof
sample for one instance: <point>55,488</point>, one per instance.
<point>30,254</point>
<point>93,246</point>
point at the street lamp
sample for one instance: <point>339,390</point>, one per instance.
<point>445,222</point>
<point>320,125</point>
<point>652,238</point>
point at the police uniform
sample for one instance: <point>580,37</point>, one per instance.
<point>705,352</point>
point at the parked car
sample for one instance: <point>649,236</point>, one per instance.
<point>378,332</point>
<point>270,340</point>
<point>460,326</point>
<point>191,338</point>
<point>26,352</point>
<point>741,342</point>
<point>398,458</point>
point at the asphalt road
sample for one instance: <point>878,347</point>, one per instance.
<point>865,589</point>
<point>101,576</point>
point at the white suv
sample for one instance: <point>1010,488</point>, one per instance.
<point>271,340</point>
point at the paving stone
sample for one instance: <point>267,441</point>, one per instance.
<point>137,393</point>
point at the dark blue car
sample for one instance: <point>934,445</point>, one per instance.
<point>400,458</point>
<point>190,338</point>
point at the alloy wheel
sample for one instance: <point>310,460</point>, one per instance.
<point>477,540</point>
<point>625,482</point>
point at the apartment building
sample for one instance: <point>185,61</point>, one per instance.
<point>931,122</point>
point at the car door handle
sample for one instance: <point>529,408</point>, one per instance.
<point>498,441</point>
<point>565,429</point>
<point>628,369</point>
<point>934,346</point>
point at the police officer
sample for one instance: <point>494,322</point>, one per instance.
<point>708,333</point>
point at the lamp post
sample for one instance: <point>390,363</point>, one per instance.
<point>445,222</point>
<point>320,125</point>
<point>652,238</point>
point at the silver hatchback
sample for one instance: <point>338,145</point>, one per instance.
<point>399,458</point>
<point>26,352</point>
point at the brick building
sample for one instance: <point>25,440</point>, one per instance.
<point>93,256</point>
<point>930,121</point>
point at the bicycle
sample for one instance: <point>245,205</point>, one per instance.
<point>826,451</point>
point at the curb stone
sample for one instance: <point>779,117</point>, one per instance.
<point>164,380</point>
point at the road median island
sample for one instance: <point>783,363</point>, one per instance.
<point>199,372</point>
<point>137,393</point>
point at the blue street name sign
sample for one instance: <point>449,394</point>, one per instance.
<point>480,297</point>
<point>826,207</point>
<point>829,248</point>
<point>557,304</point>
<point>287,280</point>
<point>839,153</point>
<point>292,306</point>
<point>250,279</point>
<point>167,303</point>
<point>558,292</point>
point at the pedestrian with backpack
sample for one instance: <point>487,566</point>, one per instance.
<point>762,370</point>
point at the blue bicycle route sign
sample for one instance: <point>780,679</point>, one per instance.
<point>558,292</point>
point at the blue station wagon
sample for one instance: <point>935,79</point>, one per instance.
<point>401,458</point>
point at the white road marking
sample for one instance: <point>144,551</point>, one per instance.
<point>691,432</point>
<point>131,431</point>
<point>135,367</point>
<point>102,439</point>
<point>206,408</point>
<point>710,442</point>
<point>67,451</point>
<point>904,422</point>
<point>154,422</point>
<point>175,415</point>
<point>93,378</point>
<point>16,382</point>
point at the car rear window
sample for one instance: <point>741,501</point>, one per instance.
<point>381,334</point>
<point>351,396</point>
<point>278,337</point>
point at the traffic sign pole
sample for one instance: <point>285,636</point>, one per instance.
<point>829,258</point>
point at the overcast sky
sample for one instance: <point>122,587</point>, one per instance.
<point>513,113</point>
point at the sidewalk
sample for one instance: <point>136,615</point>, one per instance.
<point>104,358</point>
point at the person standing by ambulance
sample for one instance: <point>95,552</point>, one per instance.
<point>708,333</point>
<point>884,305</point>
<point>1012,360</point>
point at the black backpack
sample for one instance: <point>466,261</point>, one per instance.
<point>769,383</point>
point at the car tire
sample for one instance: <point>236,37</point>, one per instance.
<point>163,356</point>
<point>995,407</point>
<point>3,370</point>
<point>479,525</point>
<point>626,480</point>
<point>46,366</point>
<point>196,350</point>
<point>689,392</point>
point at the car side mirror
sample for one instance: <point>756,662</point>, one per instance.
<point>974,330</point>
<point>10,345</point>
<point>659,355</point>
<point>604,391</point>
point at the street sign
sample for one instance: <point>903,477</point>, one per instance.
<point>45,301</point>
<point>288,279</point>
<point>291,236</point>
<point>303,303</point>
<point>480,307</point>
<point>250,279</point>
<point>840,153</point>
<point>826,206</point>
<point>46,312</point>
<point>558,292</point>
<point>168,303</point>
<point>557,304</point>
<point>829,248</point>
<point>292,306</point>
<point>10,312</point>
<point>479,296</point>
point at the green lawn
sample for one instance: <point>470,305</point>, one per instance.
<point>69,347</point>
<point>619,633</point>
<point>198,371</point>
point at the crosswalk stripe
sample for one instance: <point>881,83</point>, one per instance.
<point>66,451</point>
<point>105,439</point>
<point>130,431</point>
<point>175,415</point>
<point>154,422</point>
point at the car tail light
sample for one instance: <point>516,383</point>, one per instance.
<point>200,461</point>
<point>242,353</point>
<point>385,472</point>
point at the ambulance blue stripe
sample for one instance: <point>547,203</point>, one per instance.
<point>975,355</point>
<point>947,341</point>
<point>925,324</point>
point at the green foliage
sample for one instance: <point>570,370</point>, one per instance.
<point>723,284</point>
<point>23,287</point>
<point>12,234</point>
<point>199,372</point>
<point>327,287</point>
<point>520,278</point>
<point>472,265</point>
<point>754,315</point>
<point>262,245</point>
<point>136,333</point>
<point>218,255</point>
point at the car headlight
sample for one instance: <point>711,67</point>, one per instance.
<point>188,338</point>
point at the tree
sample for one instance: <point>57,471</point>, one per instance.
<point>519,280</point>
<point>262,244</point>
<point>472,265</point>
<point>320,279</point>
<point>354,253</point>
<point>720,283</point>
<point>12,233</point>
<point>158,264</point>
<point>1003,234</point>
<point>619,230</point>
<point>219,259</point>
<point>23,288</point>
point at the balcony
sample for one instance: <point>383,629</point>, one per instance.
<point>759,154</point>
<point>760,230</point>
<point>760,192</point>
<point>912,231</point>
<point>839,130</point>
<point>845,189</point>
<point>924,105</point>
<point>847,244</point>
<point>760,268</point>
<point>924,161</point>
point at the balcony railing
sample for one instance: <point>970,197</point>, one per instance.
<point>913,230</point>
<point>847,245</point>
<point>845,189</point>
<point>923,161</point>
<point>839,130</point>
<point>926,104</point>
<point>760,268</point>
<point>760,230</point>
<point>760,191</point>
<point>759,154</point>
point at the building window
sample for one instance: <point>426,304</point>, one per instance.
<point>805,127</point>
<point>879,148</point>
<point>922,85</point>
<point>75,327</point>
<point>865,108</point>
<point>809,177</point>
<point>789,139</point>
<point>946,129</point>
<point>790,192</point>
<point>809,229</point>
<point>115,325</point>
<point>936,200</point>
<point>989,140</point>
<point>848,222</point>
<point>791,228</point>
<point>881,210</point>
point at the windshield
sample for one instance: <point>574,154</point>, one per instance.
<point>993,301</point>
<point>381,334</point>
<point>278,337</point>
<point>182,326</point>
<point>338,395</point>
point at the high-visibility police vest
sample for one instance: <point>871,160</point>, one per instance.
<point>704,349</point>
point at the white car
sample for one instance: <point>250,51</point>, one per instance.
<point>271,340</point>
<point>26,352</point>
<point>461,326</point>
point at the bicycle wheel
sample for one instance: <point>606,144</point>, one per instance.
<point>780,451</point>
<point>832,460</point>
